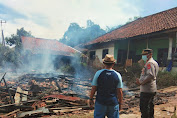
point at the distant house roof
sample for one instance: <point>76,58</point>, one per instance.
<point>80,48</point>
<point>157,22</point>
<point>42,46</point>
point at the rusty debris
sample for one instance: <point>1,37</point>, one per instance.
<point>41,95</point>
<point>63,97</point>
<point>35,95</point>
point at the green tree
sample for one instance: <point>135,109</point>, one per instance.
<point>72,35</point>
<point>76,35</point>
<point>12,56</point>
<point>15,39</point>
<point>133,19</point>
<point>109,29</point>
<point>8,56</point>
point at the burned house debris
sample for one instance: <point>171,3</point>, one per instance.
<point>38,95</point>
<point>57,95</point>
<point>46,55</point>
<point>43,85</point>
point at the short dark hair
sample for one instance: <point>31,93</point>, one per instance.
<point>108,64</point>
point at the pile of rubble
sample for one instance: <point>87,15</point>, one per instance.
<point>131,99</point>
<point>36,95</point>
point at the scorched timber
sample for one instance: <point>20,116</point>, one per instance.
<point>63,97</point>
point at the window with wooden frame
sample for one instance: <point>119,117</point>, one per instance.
<point>105,51</point>
<point>92,55</point>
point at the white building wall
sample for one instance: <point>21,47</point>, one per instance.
<point>99,52</point>
<point>111,50</point>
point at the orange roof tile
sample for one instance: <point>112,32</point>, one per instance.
<point>38,45</point>
<point>157,22</point>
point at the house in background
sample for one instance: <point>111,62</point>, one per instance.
<point>43,46</point>
<point>45,54</point>
<point>157,31</point>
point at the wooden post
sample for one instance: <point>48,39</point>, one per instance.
<point>128,61</point>
<point>3,79</point>
<point>3,40</point>
<point>128,48</point>
<point>176,43</point>
<point>170,48</point>
<point>147,45</point>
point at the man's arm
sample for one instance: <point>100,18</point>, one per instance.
<point>148,78</point>
<point>150,70</point>
<point>93,90</point>
<point>92,93</point>
<point>120,97</point>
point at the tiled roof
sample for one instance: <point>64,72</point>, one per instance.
<point>80,48</point>
<point>41,46</point>
<point>157,22</point>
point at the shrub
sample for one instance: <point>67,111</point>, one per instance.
<point>67,69</point>
<point>166,79</point>
<point>132,73</point>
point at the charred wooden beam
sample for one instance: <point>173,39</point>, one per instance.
<point>61,108</point>
<point>31,113</point>
<point>11,107</point>
<point>11,114</point>
<point>59,88</point>
<point>7,108</point>
<point>63,97</point>
<point>44,93</point>
<point>66,110</point>
<point>3,79</point>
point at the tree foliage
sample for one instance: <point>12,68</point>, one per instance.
<point>133,19</point>
<point>15,39</point>
<point>8,56</point>
<point>77,35</point>
<point>11,56</point>
<point>109,29</point>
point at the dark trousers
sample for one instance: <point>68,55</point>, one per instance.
<point>147,105</point>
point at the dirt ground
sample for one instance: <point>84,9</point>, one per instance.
<point>161,111</point>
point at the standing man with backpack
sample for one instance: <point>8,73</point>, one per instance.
<point>108,84</point>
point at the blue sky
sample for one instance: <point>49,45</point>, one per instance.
<point>51,18</point>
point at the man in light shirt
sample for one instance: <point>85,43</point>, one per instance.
<point>147,82</point>
<point>108,84</point>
